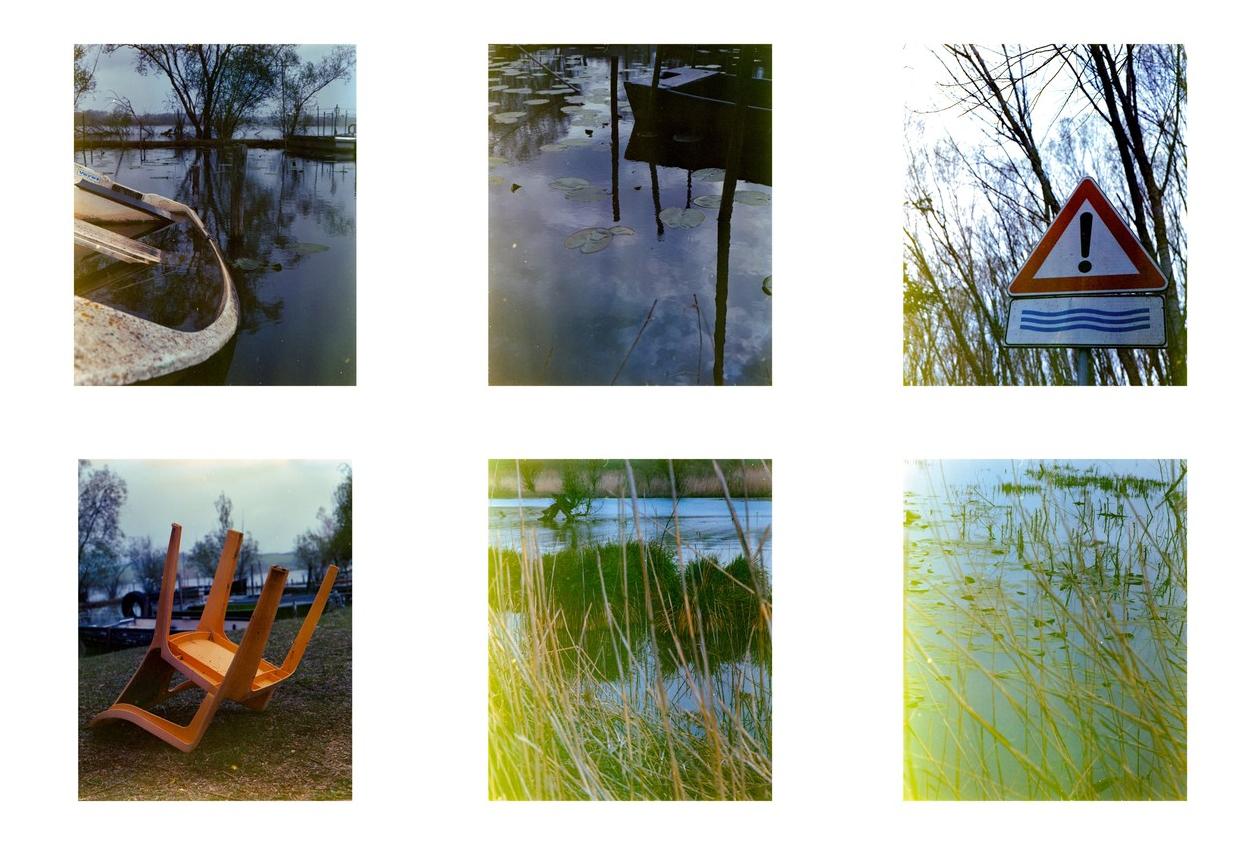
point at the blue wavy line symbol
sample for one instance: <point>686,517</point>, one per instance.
<point>1095,319</point>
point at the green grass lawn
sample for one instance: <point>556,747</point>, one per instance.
<point>296,749</point>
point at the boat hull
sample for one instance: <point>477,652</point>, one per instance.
<point>683,116</point>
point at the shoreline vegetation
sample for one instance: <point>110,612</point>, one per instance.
<point>1045,637</point>
<point>617,673</point>
<point>691,478</point>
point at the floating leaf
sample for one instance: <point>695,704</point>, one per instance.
<point>710,174</point>
<point>308,249</point>
<point>590,193</point>
<point>508,116</point>
<point>571,109</point>
<point>752,197</point>
<point>536,102</point>
<point>681,218</point>
<point>621,230</point>
<point>589,240</point>
<point>709,201</point>
<point>576,99</point>
<point>247,264</point>
<point>765,285</point>
<point>519,91</point>
<point>569,183</point>
<point>498,87</point>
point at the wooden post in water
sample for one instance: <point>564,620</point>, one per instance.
<point>616,142</point>
<point>735,147</point>
<point>719,300</point>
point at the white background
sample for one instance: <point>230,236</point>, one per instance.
<point>421,422</point>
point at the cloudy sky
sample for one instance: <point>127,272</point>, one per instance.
<point>117,72</point>
<point>273,500</point>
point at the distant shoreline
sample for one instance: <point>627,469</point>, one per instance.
<point>169,144</point>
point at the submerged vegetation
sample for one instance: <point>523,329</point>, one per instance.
<point>619,672</point>
<point>1045,635</point>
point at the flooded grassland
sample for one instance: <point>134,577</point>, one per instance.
<point>1045,630</point>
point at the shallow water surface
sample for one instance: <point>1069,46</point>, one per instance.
<point>1045,624</point>
<point>642,302</point>
<point>704,525</point>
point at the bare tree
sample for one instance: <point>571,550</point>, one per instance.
<point>299,83</point>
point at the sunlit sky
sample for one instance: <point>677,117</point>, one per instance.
<point>272,500</point>
<point>116,72</point>
<point>928,101</point>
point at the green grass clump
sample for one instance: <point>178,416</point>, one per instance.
<point>614,675</point>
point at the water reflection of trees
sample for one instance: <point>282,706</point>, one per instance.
<point>251,211</point>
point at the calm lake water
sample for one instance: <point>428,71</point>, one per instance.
<point>286,226</point>
<point>568,159</point>
<point>1045,617</point>
<point>704,525</point>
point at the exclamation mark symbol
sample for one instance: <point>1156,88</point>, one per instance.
<point>1087,226</point>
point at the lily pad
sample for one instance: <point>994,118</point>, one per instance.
<point>590,193</point>
<point>576,99</point>
<point>498,87</point>
<point>571,109</point>
<point>710,174</point>
<point>681,218</point>
<point>587,241</point>
<point>522,90</point>
<point>569,183</point>
<point>309,249</point>
<point>708,201</point>
<point>248,264</point>
<point>621,230</point>
<point>537,102</point>
<point>508,116</point>
<point>752,197</point>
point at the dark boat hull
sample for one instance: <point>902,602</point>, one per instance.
<point>686,116</point>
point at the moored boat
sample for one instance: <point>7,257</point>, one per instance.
<point>697,105</point>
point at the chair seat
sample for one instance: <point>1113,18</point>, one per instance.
<point>208,657</point>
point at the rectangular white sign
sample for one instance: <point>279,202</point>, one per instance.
<point>1086,321</point>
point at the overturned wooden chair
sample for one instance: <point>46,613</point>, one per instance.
<point>206,657</point>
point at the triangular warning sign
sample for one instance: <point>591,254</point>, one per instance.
<point>1088,249</point>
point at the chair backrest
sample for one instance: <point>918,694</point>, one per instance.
<point>170,573</point>
<point>215,611</point>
